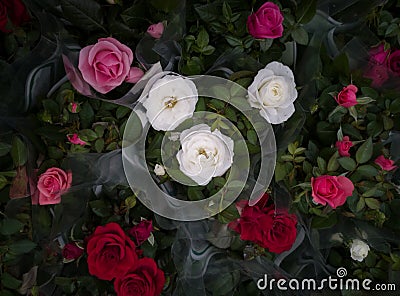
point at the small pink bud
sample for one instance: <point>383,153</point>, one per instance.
<point>74,139</point>
<point>156,30</point>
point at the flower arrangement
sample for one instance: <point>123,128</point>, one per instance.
<point>198,147</point>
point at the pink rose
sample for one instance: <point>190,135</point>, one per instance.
<point>106,64</point>
<point>141,232</point>
<point>266,22</point>
<point>378,54</point>
<point>52,184</point>
<point>74,107</point>
<point>344,146</point>
<point>394,62</point>
<point>134,75</point>
<point>347,96</point>
<point>331,189</point>
<point>385,163</point>
<point>74,139</point>
<point>71,251</point>
<point>156,30</point>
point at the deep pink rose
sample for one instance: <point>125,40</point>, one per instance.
<point>52,184</point>
<point>347,96</point>
<point>385,163</point>
<point>344,146</point>
<point>74,139</point>
<point>379,74</point>
<point>141,231</point>
<point>156,30</point>
<point>378,54</point>
<point>394,62</point>
<point>71,251</point>
<point>331,190</point>
<point>266,22</point>
<point>106,64</point>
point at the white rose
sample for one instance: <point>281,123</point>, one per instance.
<point>159,170</point>
<point>204,154</point>
<point>273,91</point>
<point>358,250</point>
<point>170,101</point>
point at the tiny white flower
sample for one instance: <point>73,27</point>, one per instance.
<point>273,91</point>
<point>171,100</point>
<point>358,250</point>
<point>205,154</point>
<point>159,170</point>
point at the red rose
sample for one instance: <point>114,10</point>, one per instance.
<point>394,62</point>
<point>71,251</point>
<point>141,232</point>
<point>266,22</point>
<point>261,225</point>
<point>110,252</point>
<point>344,146</point>
<point>385,163</point>
<point>13,10</point>
<point>145,279</point>
<point>347,96</point>
<point>331,189</point>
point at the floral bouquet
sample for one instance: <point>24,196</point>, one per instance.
<point>199,147</point>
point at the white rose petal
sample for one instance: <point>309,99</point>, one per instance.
<point>159,170</point>
<point>358,250</point>
<point>204,154</point>
<point>170,101</point>
<point>273,91</point>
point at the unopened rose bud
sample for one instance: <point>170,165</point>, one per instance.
<point>156,30</point>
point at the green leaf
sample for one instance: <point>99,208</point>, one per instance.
<point>87,135</point>
<point>252,137</point>
<point>10,282</point>
<point>86,14</point>
<point>19,152</point>
<point>165,6</point>
<point>86,115</point>
<point>300,36</point>
<point>306,11</point>
<point>100,208</point>
<point>55,152</point>
<point>22,247</point>
<point>194,193</point>
<point>369,92</point>
<point>10,226</point>
<point>202,39</point>
<point>99,145</point>
<point>333,164</point>
<point>364,152</point>
<point>364,100</point>
<point>4,148</point>
<point>122,111</point>
<point>347,163</point>
<point>3,182</point>
<point>321,164</point>
<point>372,203</point>
<point>324,222</point>
<point>226,11</point>
<point>367,171</point>
<point>360,204</point>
